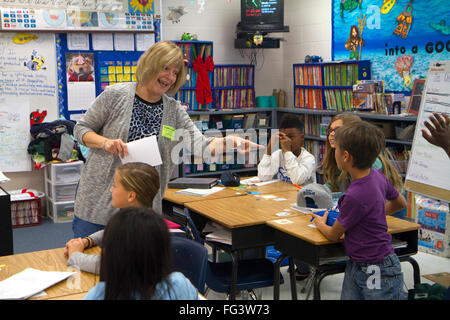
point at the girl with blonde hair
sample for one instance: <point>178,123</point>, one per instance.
<point>135,185</point>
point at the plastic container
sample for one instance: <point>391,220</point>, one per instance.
<point>60,192</point>
<point>64,173</point>
<point>60,211</point>
<point>332,216</point>
<point>266,102</point>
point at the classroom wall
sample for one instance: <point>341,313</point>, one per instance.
<point>310,34</point>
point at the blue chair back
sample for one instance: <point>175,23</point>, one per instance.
<point>190,258</point>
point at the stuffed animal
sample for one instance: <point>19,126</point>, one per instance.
<point>80,68</point>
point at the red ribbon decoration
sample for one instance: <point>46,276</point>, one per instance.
<point>203,89</point>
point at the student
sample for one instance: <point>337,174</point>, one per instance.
<point>337,180</point>
<point>136,260</point>
<point>362,217</point>
<point>292,163</point>
<point>135,184</point>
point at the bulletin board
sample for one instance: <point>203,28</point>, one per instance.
<point>109,67</point>
<point>400,38</point>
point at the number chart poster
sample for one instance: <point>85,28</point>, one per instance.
<point>400,38</point>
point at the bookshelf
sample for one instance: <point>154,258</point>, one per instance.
<point>251,123</point>
<point>328,85</point>
<point>234,86</point>
<point>317,120</point>
<point>315,137</point>
<point>191,50</point>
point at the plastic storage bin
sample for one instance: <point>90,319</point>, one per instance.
<point>64,173</point>
<point>60,192</point>
<point>60,211</point>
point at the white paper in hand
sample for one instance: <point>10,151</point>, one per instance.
<point>144,150</point>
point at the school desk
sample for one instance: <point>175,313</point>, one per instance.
<point>51,260</point>
<point>299,240</point>
<point>246,217</point>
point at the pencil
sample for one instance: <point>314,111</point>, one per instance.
<point>296,185</point>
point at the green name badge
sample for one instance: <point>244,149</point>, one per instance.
<point>168,132</point>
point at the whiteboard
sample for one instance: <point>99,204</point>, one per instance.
<point>26,84</point>
<point>429,166</point>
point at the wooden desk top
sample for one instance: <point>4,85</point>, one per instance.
<point>278,186</point>
<point>51,260</point>
<point>181,199</point>
<point>246,210</point>
<point>298,227</point>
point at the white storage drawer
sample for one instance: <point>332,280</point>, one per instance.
<point>60,192</point>
<point>64,173</point>
<point>60,211</point>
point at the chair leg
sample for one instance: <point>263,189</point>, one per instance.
<point>234,274</point>
<point>416,269</point>
<point>252,294</point>
<point>276,277</point>
<point>293,280</point>
<point>309,283</point>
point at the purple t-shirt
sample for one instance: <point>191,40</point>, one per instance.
<point>362,213</point>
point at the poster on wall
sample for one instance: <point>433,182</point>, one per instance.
<point>400,38</point>
<point>80,80</point>
<point>14,134</point>
<point>141,6</point>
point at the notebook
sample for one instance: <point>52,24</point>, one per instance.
<point>196,183</point>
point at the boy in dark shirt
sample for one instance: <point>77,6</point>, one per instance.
<point>373,270</point>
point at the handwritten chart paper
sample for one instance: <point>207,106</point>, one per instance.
<point>28,70</point>
<point>429,164</point>
<point>14,134</point>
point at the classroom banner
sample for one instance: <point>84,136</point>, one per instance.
<point>400,38</point>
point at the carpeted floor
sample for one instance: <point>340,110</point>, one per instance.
<point>48,235</point>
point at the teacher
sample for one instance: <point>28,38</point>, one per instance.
<point>125,112</point>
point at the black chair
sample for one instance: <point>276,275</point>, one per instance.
<point>190,258</point>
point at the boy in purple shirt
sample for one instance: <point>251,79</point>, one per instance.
<point>373,270</point>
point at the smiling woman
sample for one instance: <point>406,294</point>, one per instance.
<point>125,112</point>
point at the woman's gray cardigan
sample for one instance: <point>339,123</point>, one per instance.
<point>110,116</point>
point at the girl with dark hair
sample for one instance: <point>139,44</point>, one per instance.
<point>136,260</point>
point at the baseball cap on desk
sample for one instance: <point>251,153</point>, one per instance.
<point>315,195</point>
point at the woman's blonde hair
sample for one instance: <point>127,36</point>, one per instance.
<point>141,178</point>
<point>159,56</point>
<point>330,169</point>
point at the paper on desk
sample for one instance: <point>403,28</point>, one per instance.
<point>255,181</point>
<point>29,282</point>
<point>200,192</point>
<point>144,150</point>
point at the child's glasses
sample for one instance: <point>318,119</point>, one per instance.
<point>330,130</point>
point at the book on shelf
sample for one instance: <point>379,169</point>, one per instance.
<point>234,98</point>
<point>249,120</point>
<point>233,76</point>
